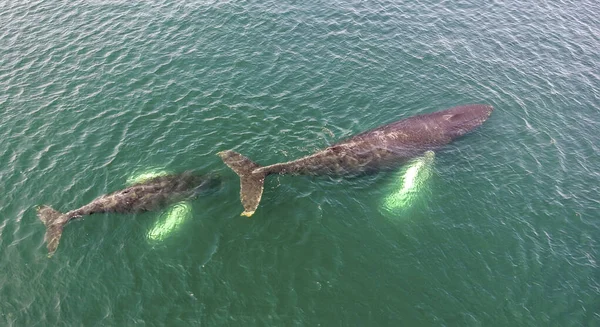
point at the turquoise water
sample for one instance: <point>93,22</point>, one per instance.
<point>505,232</point>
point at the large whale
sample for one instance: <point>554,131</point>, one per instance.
<point>383,147</point>
<point>153,194</point>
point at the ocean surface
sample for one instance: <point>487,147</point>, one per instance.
<point>504,230</point>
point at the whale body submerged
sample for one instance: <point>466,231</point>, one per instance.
<point>386,146</point>
<point>153,194</point>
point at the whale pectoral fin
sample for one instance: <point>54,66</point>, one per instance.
<point>171,220</point>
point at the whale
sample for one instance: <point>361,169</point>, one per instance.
<point>148,195</point>
<point>384,147</point>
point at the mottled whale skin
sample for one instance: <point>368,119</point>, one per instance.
<point>383,147</point>
<point>150,195</point>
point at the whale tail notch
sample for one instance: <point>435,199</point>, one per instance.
<point>54,222</point>
<point>251,181</point>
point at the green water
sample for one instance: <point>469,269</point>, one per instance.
<point>505,232</point>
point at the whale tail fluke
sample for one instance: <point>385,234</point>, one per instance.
<point>55,222</point>
<point>251,181</point>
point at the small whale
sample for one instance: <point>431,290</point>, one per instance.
<point>384,147</point>
<point>149,195</point>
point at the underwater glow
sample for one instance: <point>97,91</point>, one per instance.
<point>170,221</point>
<point>172,218</point>
<point>411,180</point>
<point>146,175</point>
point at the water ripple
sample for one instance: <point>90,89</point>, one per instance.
<point>95,91</point>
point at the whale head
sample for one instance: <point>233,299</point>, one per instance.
<point>463,119</point>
